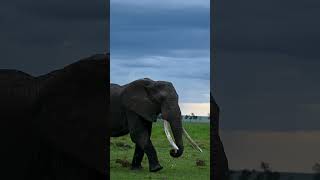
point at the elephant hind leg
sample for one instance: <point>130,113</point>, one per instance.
<point>137,158</point>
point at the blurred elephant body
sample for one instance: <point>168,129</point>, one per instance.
<point>135,106</point>
<point>221,169</point>
<point>54,126</point>
<point>15,126</point>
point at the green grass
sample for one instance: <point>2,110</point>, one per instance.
<point>183,167</point>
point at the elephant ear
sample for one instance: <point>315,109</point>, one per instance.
<point>140,97</point>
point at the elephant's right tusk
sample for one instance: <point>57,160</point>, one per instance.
<point>166,130</point>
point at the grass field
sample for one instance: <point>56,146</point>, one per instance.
<point>185,167</point>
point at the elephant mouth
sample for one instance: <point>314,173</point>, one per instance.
<point>171,141</point>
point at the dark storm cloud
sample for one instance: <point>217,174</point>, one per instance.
<point>267,65</point>
<point>288,27</point>
<point>41,36</point>
<point>156,18</point>
<point>65,10</point>
<point>158,30</point>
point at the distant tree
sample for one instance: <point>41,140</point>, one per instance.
<point>265,166</point>
<point>193,116</point>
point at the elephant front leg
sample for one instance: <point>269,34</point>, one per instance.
<point>144,143</point>
<point>137,158</point>
<point>154,165</point>
<point>140,132</point>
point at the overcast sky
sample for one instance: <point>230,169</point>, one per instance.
<point>164,40</point>
<point>40,36</point>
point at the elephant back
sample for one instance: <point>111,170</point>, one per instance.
<point>9,77</point>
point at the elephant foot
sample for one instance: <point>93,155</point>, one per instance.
<point>155,168</point>
<point>136,167</point>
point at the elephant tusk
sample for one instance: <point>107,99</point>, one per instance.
<point>166,130</point>
<point>194,144</point>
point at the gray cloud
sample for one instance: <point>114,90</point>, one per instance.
<point>191,80</point>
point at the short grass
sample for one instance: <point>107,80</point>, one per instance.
<point>184,167</point>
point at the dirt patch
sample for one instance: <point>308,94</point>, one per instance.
<point>200,162</point>
<point>124,163</point>
<point>123,145</point>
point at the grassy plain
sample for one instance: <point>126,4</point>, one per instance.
<point>185,167</point>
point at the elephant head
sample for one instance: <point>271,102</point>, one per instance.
<point>148,99</point>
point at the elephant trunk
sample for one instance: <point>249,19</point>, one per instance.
<point>173,116</point>
<point>177,129</point>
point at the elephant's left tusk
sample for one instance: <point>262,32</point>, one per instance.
<point>194,144</point>
<point>166,130</point>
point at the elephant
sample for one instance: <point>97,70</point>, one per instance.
<point>133,109</point>
<point>55,126</point>
<point>220,168</point>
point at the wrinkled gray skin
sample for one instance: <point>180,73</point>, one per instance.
<point>135,106</point>
<point>54,126</point>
